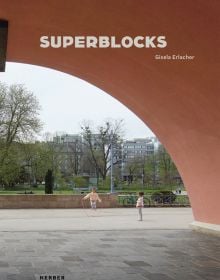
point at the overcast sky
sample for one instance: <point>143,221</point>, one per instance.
<point>67,101</point>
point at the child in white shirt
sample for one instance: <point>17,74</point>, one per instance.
<point>140,205</point>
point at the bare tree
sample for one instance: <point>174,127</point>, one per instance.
<point>97,144</point>
<point>133,168</point>
<point>167,168</point>
<point>74,156</point>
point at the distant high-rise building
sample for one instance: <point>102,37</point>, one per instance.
<point>67,138</point>
<point>138,147</point>
<point>70,148</point>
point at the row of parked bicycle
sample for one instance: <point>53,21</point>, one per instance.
<point>157,198</point>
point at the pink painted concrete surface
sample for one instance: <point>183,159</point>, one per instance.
<point>178,100</point>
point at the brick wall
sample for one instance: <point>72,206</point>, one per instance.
<point>53,201</point>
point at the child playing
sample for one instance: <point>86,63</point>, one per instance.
<point>93,196</point>
<point>140,205</point>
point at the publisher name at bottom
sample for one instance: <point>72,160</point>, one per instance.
<point>174,57</point>
<point>51,277</point>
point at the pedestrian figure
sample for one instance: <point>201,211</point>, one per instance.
<point>140,205</point>
<point>93,197</point>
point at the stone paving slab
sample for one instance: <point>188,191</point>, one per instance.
<point>87,219</point>
<point>178,254</point>
<point>102,247</point>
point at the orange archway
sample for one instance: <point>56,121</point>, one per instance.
<point>178,99</point>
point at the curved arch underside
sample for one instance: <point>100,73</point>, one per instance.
<point>179,100</point>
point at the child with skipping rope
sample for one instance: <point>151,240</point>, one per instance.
<point>93,197</point>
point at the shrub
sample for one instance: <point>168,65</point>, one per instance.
<point>80,181</point>
<point>49,182</point>
<point>165,197</point>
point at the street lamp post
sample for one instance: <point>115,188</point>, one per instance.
<point>122,162</point>
<point>111,152</point>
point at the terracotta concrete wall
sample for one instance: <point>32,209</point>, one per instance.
<point>53,201</point>
<point>178,100</point>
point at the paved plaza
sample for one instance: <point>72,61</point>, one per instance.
<point>105,244</point>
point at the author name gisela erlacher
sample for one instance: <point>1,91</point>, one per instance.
<point>174,57</point>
